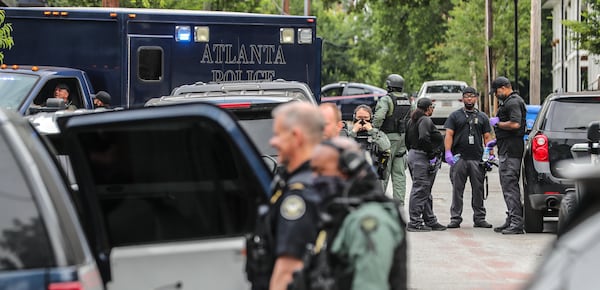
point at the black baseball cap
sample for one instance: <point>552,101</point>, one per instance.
<point>470,90</point>
<point>424,103</point>
<point>104,97</point>
<point>498,83</point>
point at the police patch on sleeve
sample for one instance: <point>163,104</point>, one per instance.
<point>368,224</point>
<point>292,207</point>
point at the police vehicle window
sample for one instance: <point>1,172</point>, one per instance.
<point>24,243</point>
<point>14,88</point>
<point>585,110</point>
<point>356,91</point>
<point>171,182</point>
<point>333,92</point>
<point>150,63</point>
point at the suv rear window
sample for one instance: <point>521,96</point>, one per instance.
<point>572,114</point>
<point>24,243</point>
<point>206,190</point>
<point>444,89</point>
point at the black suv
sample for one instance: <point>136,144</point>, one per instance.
<point>166,194</point>
<point>250,102</point>
<point>42,244</point>
<point>561,122</point>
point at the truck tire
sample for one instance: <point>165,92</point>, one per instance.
<point>533,219</point>
<point>567,206</point>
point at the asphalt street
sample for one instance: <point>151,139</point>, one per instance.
<point>472,258</point>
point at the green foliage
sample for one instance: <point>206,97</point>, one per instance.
<point>462,54</point>
<point>587,31</point>
<point>6,40</point>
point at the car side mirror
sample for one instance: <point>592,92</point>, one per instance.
<point>593,132</point>
<point>57,103</point>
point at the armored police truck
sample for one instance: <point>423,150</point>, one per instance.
<point>138,54</point>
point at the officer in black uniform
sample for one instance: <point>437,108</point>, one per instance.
<point>509,125</point>
<point>425,145</point>
<point>467,130</point>
<point>289,223</point>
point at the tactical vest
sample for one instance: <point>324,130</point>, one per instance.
<point>396,122</point>
<point>326,271</point>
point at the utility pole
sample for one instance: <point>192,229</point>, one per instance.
<point>306,7</point>
<point>110,3</point>
<point>286,7</point>
<point>489,75</point>
<point>517,44</point>
<point>535,52</point>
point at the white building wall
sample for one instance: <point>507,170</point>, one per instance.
<point>565,66</point>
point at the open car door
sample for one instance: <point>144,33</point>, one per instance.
<point>166,194</point>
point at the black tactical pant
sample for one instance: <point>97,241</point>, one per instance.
<point>510,173</point>
<point>459,173</point>
<point>420,206</point>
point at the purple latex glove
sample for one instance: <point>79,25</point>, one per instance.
<point>492,142</point>
<point>433,161</point>
<point>494,121</point>
<point>449,157</point>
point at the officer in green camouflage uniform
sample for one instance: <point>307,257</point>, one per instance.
<point>391,114</point>
<point>362,241</point>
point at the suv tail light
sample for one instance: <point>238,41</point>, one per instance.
<point>65,286</point>
<point>540,148</point>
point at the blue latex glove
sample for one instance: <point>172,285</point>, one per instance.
<point>494,121</point>
<point>492,143</point>
<point>449,157</point>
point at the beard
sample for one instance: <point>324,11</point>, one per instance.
<point>469,106</point>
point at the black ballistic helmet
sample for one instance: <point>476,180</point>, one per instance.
<point>424,103</point>
<point>498,83</point>
<point>394,82</point>
<point>470,90</point>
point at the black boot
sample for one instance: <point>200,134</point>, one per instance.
<point>504,226</point>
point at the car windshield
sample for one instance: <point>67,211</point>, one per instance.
<point>14,88</point>
<point>444,89</point>
<point>573,114</point>
<point>260,132</point>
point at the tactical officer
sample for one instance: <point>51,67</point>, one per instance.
<point>391,114</point>
<point>425,145</point>
<point>373,141</point>
<point>283,231</point>
<point>509,125</point>
<point>362,242</point>
<point>467,130</point>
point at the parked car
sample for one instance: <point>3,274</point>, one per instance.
<point>561,122</point>
<point>446,95</point>
<point>583,153</point>
<point>166,194</point>
<point>348,95</point>
<point>42,243</point>
<point>571,262</point>
<point>250,102</point>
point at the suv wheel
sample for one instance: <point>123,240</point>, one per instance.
<point>533,219</point>
<point>567,206</point>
